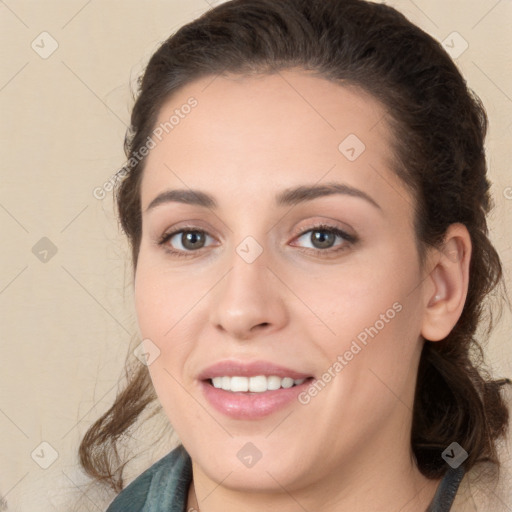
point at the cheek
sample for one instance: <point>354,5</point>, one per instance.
<point>159,307</point>
<point>372,310</point>
<point>170,310</point>
<point>150,303</point>
<point>156,309</point>
<point>162,299</point>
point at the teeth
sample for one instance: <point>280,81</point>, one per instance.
<point>239,384</point>
<point>287,382</point>
<point>258,384</point>
<point>273,383</point>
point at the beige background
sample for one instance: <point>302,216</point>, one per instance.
<point>66,323</point>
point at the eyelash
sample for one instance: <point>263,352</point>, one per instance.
<point>348,240</point>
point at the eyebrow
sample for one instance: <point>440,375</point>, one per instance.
<point>287,197</point>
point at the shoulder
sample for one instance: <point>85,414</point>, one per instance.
<point>485,489</point>
<point>481,490</point>
<point>162,487</point>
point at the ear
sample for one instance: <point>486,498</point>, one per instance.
<point>446,286</point>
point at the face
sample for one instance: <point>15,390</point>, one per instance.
<point>292,263</point>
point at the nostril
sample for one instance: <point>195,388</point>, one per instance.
<point>259,326</point>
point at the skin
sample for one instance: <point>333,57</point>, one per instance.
<point>248,139</point>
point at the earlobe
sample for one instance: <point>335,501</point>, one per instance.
<point>447,284</point>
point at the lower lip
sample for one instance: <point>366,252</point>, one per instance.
<point>251,406</point>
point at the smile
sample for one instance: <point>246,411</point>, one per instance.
<point>257,384</point>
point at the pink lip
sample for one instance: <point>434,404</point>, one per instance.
<point>252,369</point>
<point>248,405</point>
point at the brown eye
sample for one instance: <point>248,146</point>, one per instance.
<point>184,241</point>
<point>322,239</point>
<point>192,239</point>
<point>325,237</point>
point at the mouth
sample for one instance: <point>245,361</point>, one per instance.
<point>255,384</point>
<point>250,391</point>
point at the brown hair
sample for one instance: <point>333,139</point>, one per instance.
<point>439,127</point>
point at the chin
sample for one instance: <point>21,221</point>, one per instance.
<point>254,464</point>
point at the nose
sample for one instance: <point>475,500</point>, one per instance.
<point>248,301</point>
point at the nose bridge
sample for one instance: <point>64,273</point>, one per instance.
<point>248,297</point>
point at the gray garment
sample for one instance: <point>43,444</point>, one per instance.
<point>164,487</point>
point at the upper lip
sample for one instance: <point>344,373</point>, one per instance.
<point>233,368</point>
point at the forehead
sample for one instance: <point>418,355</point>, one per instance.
<point>259,132</point>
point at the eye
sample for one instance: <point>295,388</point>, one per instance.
<point>184,240</point>
<point>323,238</point>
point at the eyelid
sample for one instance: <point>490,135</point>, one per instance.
<point>191,225</point>
<point>325,225</point>
<point>183,229</point>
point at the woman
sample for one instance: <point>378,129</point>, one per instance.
<point>306,197</point>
